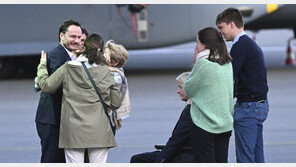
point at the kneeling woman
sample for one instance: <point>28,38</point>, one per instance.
<point>210,87</point>
<point>84,124</point>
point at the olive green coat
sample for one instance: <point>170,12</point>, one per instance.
<point>84,123</point>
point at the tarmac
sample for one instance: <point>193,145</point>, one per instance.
<point>155,108</point>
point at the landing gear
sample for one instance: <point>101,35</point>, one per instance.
<point>290,60</point>
<point>19,66</point>
<point>139,15</point>
<point>7,68</point>
<point>139,19</point>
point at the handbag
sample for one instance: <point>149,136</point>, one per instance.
<point>112,124</point>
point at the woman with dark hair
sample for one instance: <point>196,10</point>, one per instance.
<point>210,87</point>
<point>84,124</point>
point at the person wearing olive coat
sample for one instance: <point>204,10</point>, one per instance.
<point>84,123</point>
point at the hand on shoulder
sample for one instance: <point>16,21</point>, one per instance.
<point>43,56</point>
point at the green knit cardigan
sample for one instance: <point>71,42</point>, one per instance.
<point>210,87</point>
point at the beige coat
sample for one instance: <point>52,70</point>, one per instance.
<point>84,123</point>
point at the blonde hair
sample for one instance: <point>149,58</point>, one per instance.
<point>118,54</point>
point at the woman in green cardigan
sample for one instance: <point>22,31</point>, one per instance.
<point>210,87</point>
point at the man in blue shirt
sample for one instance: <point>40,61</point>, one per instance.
<point>250,87</point>
<point>49,106</point>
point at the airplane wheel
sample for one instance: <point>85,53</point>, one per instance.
<point>7,68</point>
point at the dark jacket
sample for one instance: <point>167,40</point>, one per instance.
<point>180,137</point>
<point>49,107</point>
<point>249,71</point>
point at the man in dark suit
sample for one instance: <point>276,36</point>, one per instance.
<point>49,107</point>
<point>180,136</point>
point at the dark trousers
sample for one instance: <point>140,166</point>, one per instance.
<point>148,157</point>
<point>209,147</point>
<point>49,135</point>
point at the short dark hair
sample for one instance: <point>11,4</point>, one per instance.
<point>94,49</point>
<point>231,14</point>
<point>84,31</point>
<point>64,27</point>
<point>213,41</point>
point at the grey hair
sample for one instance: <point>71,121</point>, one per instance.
<point>183,76</point>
